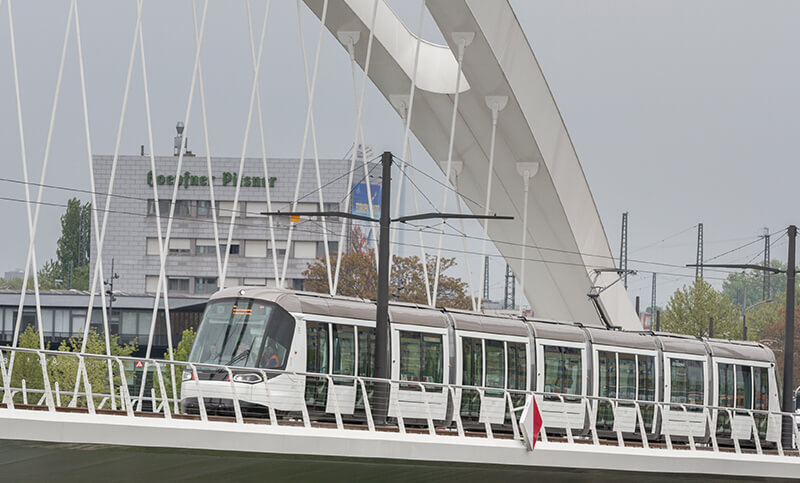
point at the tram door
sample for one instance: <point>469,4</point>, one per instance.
<point>330,352</point>
<point>685,379</point>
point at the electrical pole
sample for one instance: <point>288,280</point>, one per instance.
<point>510,295</point>
<point>486,277</point>
<point>788,343</point>
<point>765,291</point>
<point>382,334</point>
<point>653,302</point>
<point>698,271</point>
<point>623,250</point>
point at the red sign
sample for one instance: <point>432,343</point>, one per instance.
<point>139,364</point>
<point>531,422</point>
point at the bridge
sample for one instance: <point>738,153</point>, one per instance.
<point>481,108</point>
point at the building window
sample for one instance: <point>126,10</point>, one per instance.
<point>225,209</point>
<point>183,208</point>
<point>151,283</point>
<point>178,284</point>
<point>152,246</point>
<point>254,208</point>
<point>333,247</point>
<point>180,246</point>
<point>234,248</point>
<point>205,284</point>
<point>280,247</point>
<point>255,248</point>
<point>203,208</point>
<point>205,247</point>
<point>163,207</point>
<point>305,249</point>
<point>258,282</point>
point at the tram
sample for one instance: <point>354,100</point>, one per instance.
<point>254,330</point>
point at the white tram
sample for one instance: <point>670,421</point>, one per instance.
<point>586,376</point>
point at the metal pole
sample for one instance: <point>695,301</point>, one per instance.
<point>382,316</point>
<point>788,342</point>
<point>744,308</point>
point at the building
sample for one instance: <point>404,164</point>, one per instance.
<point>131,239</point>
<point>64,316</point>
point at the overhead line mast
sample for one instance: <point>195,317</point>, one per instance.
<point>382,365</point>
<point>623,250</point>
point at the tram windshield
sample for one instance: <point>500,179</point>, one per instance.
<point>243,332</point>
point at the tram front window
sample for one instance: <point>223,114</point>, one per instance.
<point>243,332</point>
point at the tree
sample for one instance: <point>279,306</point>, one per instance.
<point>27,367</point>
<point>735,283</point>
<point>773,336</point>
<point>358,277</point>
<point>64,369</point>
<point>70,269</point>
<point>180,353</point>
<point>689,309</point>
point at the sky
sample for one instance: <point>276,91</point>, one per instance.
<point>681,112</point>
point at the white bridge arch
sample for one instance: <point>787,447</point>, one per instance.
<point>498,61</point>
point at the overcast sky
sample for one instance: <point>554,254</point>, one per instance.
<point>681,112</point>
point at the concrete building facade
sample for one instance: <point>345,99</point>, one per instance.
<point>131,238</point>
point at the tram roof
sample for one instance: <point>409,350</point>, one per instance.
<point>681,343</point>
<point>505,325</point>
<point>749,351</point>
<point>338,306</point>
<point>557,331</point>
<point>620,338</point>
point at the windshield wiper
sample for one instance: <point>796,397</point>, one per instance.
<point>240,356</point>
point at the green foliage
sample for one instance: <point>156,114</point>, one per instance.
<point>27,367</point>
<point>689,309</point>
<point>180,353</point>
<point>64,369</point>
<point>752,282</point>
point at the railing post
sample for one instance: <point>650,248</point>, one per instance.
<point>336,412</point>
<point>756,436</point>
<point>163,389</point>
<point>487,427</point>
<point>125,395</point>
<point>567,426</point>
<point>593,404</point>
<point>367,409</point>
<point>689,425</point>
<point>201,403</point>
<point>237,407</point>
<point>733,435</point>
<point>394,393</point>
<point>431,428</point>
<point>640,421</point>
<point>273,416</point>
<point>614,406</point>
<point>457,411</point>
<point>46,383</point>
<point>8,398</point>
<point>58,394</point>
<point>712,429</point>
<point>665,424</point>
<point>512,414</point>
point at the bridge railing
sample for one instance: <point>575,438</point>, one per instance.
<point>351,402</point>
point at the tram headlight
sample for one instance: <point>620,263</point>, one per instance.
<point>188,375</point>
<point>248,378</point>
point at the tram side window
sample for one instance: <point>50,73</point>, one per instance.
<point>421,357</point>
<point>647,378</point>
<point>472,360</point>
<point>725,385</point>
<point>607,372</point>
<point>761,386</point>
<point>627,376</point>
<point>495,364</point>
<point>562,370</point>
<point>517,366</point>
<point>317,347</point>
<point>744,387</point>
<point>687,382</point>
<point>344,350</point>
<point>366,351</point>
